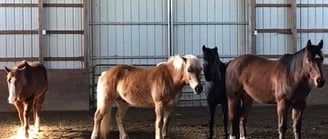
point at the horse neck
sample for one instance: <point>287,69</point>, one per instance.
<point>176,75</point>
<point>219,71</point>
<point>295,67</point>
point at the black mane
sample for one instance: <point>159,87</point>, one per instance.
<point>292,62</point>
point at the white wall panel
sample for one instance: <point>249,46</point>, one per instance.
<point>211,22</point>
<point>128,28</point>
<point>56,18</point>
<point>271,18</point>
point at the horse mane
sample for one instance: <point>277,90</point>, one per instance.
<point>192,61</point>
<point>221,69</point>
<point>20,64</point>
<point>177,61</point>
<point>292,62</point>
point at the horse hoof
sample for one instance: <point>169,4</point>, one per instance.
<point>35,130</point>
<point>124,137</point>
<point>94,135</point>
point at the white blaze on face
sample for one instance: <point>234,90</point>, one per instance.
<point>12,91</point>
<point>317,56</point>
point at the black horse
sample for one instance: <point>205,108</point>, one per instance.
<point>214,71</point>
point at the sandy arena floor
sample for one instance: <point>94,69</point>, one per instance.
<point>186,123</point>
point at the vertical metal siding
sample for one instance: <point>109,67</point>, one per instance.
<point>18,18</point>
<point>272,43</point>
<point>64,45</point>
<point>312,18</point>
<point>307,18</point>
<point>57,45</point>
<point>128,28</point>
<point>210,22</point>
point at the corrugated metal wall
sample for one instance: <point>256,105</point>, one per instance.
<point>129,31</point>
<point>125,31</point>
<point>308,17</point>
<point>312,18</point>
<point>220,23</point>
<point>64,45</point>
<point>20,18</point>
<point>12,18</point>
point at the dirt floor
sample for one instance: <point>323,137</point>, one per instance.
<point>186,123</point>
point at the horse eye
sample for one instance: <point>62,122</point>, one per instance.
<point>189,70</point>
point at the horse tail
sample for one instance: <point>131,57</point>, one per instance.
<point>103,105</point>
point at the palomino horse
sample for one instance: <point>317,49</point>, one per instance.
<point>158,87</point>
<point>286,82</point>
<point>27,84</point>
<point>214,71</point>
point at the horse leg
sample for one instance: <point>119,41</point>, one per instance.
<point>297,119</point>
<point>27,109</point>
<point>233,117</point>
<point>103,109</point>
<point>224,107</point>
<point>247,105</point>
<point>20,109</point>
<point>166,119</point>
<point>211,107</point>
<point>37,110</point>
<point>282,111</point>
<point>120,116</point>
<point>159,111</point>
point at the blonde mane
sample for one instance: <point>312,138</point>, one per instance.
<point>178,61</point>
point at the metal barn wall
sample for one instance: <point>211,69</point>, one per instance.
<point>62,47</point>
<point>129,31</point>
<point>62,44</point>
<point>221,23</point>
<point>274,20</point>
<point>16,45</point>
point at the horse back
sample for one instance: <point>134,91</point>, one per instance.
<point>252,75</point>
<point>38,74</point>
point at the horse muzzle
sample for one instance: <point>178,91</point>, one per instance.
<point>320,82</point>
<point>198,89</point>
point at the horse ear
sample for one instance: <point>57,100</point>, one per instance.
<point>204,47</point>
<point>308,44</point>
<point>216,48</point>
<point>320,44</point>
<point>25,63</point>
<point>7,69</point>
<point>184,59</point>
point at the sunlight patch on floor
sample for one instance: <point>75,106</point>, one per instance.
<point>20,134</point>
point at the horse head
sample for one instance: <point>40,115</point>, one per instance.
<point>211,63</point>
<point>313,60</point>
<point>13,76</point>
<point>190,67</point>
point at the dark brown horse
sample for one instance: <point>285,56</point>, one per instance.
<point>286,82</point>
<point>27,84</point>
<point>158,87</point>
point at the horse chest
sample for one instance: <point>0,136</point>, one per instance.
<point>293,93</point>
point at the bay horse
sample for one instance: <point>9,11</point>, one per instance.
<point>158,87</point>
<point>27,84</point>
<point>214,71</point>
<point>285,82</point>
